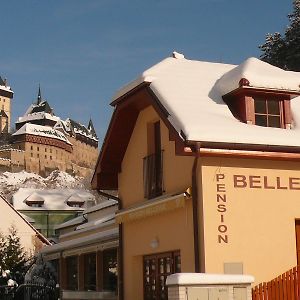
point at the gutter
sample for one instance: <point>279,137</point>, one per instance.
<point>197,201</point>
<point>120,248</point>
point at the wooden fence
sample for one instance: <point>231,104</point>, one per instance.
<point>284,287</point>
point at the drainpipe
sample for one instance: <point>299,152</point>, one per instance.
<point>120,249</point>
<point>197,201</point>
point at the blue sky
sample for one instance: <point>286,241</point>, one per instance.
<point>82,51</point>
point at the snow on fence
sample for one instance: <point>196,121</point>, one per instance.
<point>284,287</point>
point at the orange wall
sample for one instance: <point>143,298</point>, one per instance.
<point>176,169</point>
<point>173,229</point>
<point>259,220</point>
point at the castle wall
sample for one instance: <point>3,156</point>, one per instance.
<point>43,158</point>
<point>83,155</point>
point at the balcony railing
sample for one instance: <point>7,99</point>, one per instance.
<point>153,175</point>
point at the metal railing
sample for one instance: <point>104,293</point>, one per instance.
<point>29,291</point>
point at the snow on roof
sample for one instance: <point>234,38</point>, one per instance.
<point>55,199</point>
<point>191,91</point>
<point>94,223</point>
<point>81,129</point>
<point>260,75</point>
<point>101,205</point>
<point>204,278</point>
<point>90,239</point>
<point>6,88</point>
<point>94,208</point>
<point>39,130</point>
<point>37,116</point>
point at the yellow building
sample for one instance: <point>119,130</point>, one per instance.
<point>205,158</point>
<point>30,239</point>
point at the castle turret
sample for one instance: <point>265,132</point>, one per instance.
<point>6,94</point>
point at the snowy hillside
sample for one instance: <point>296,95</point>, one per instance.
<point>11,182</point>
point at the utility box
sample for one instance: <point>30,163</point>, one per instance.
<point>200,286</point>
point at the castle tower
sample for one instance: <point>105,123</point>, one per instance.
<point>6,94</point>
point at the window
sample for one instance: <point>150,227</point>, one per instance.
<point>265,108</point>
<point>72,274</point>
<point>153,163</point>
<point>38,148</point>
<point>31,147</point>
<point>110,273</point>
<point>90,272</point>
<point>45,149</point>
<point>268,112</point>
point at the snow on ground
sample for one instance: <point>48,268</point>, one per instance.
<point>10,183</point>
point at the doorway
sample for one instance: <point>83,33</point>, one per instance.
<point>156,268</point>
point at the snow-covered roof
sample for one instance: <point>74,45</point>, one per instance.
<point>207,279</point>
<point>94,223</point>
<point>111,234</point>
<point>101,205</point>
<point>84,220</point>
<point>81,129</point>
<point>37,116</point>
<point>42,111</point>
<point>54,199</point>
<point>191,91</point>
<point>6,88</point>
<point>39,130</point>
<point>260,75</point>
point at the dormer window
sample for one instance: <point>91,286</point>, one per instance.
<point>75,203</point>
<point>268,112</point>
<point>35,203</point>
<point>261,107</point>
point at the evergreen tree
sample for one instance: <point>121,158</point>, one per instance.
<point>284,51</point>
<point>16,257</point>
<point>13,256</point>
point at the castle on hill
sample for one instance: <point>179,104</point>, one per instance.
<point>43,142</point>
